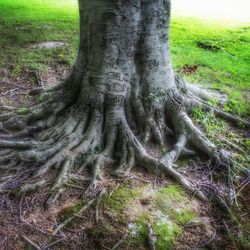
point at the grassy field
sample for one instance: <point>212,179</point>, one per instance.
<point>208,53</point>
<point>24,22</point>
<point>219,56</point>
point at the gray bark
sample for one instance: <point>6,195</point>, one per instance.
<point>121,94</point>
<point>124,49</point>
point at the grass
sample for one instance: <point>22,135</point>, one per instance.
<point>220,54</point>
<point>24,22</point>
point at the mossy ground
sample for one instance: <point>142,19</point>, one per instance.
<point>121,198</point>
<point>214,55</point>
<point>167,209</point>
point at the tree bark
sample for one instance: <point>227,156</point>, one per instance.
<point>122,94</point>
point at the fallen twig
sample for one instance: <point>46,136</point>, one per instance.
<point>28,223</point>
<point>2,243</point>
<point>67,221</point>
<point>97,205</point>
<point>10,91</point>
<point>243,186</point>
<point>33,244</point>
<point>229,233</point>
<point>151,238</point>
<point>120,242</point>
<point>35,227</point>
<point>53,243</point>
<point>106,247</point>
<point>209,241</point>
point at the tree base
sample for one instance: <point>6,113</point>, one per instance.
<point>95,132</point>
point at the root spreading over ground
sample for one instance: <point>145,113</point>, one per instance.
<point>121,95</point>
<point>72,130</point>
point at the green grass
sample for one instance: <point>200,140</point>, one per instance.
<point>223,64</point>
<point>27,21</point>
<point>24,22</point>
<point>222,55</point>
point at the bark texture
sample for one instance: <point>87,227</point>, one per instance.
<point>122,93</point>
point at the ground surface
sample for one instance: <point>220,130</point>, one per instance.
<point>211,54</point>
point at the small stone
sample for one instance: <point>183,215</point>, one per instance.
<point>48,45</point>
<point>195,222</point>
<point>146,201</point>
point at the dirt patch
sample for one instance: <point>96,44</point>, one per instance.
<point>14,91</point>
<point>189,69</point>
<point>208,46</point>
<point>25,216</point>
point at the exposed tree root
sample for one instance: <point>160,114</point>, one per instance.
<point>95,131</point>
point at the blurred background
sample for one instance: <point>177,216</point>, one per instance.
<point>238,11</point>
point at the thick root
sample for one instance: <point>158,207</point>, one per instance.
<point>95,132</point>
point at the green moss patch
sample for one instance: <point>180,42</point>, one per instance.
<point>121,198</point>
<point>166,232</point>
<point>168,212</point>
<point>171,201</point>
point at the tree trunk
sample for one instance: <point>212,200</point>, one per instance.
<point>122,94</point>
